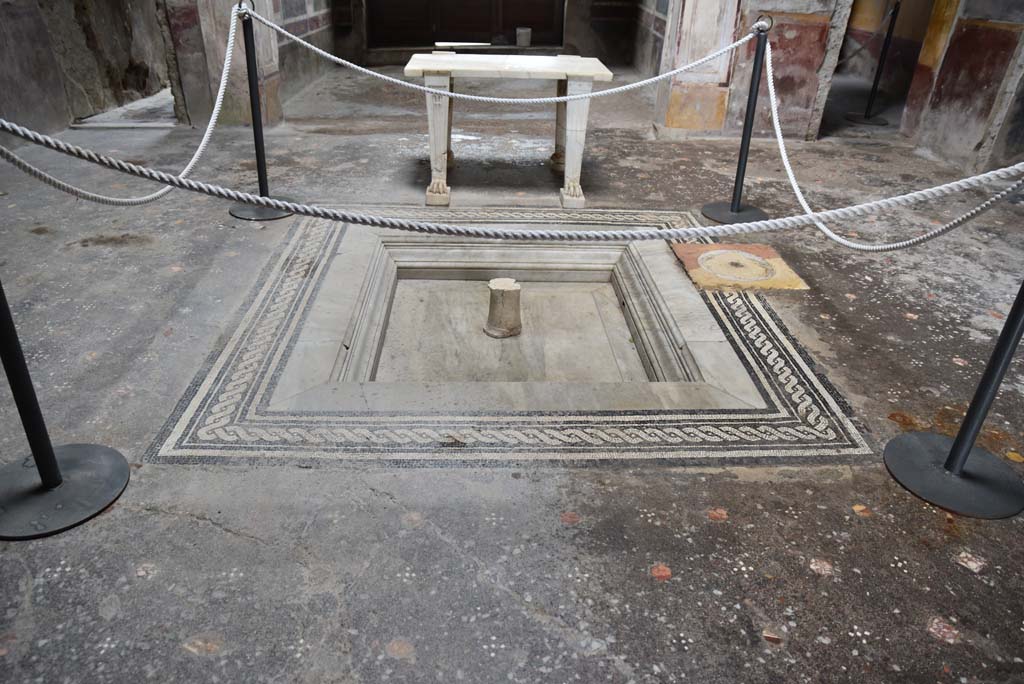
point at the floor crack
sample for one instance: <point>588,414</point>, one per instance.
<point>198,517</point>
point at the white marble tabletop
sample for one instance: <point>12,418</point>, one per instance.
<point>456,43</point>
<point>557,67</point>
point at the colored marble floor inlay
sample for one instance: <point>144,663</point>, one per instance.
<point>720,266</point>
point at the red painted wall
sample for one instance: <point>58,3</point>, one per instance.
<point>798,43</point>
<point>960,106</point>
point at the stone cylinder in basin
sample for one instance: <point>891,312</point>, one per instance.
<point>503,316</point>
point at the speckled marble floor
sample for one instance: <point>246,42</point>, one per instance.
<point>623,573</point>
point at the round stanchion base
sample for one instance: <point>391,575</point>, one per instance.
<point>862,120</point>
<point>721,212</point>
<point>988,488</point>
<point>94,476</point>
<point>251,212</point>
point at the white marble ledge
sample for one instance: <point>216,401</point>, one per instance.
<point>456,43</point>
<point>557,67</point>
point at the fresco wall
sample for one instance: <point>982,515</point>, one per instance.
<point>806,37</point>
<point>868,24</point>
<point>965,99</point>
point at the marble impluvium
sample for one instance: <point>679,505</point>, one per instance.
<point>367,343</point>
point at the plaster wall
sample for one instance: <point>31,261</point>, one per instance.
<point>1008,144</point>
<point>72,60</point>
<point>965,103</point>
<point>868,24</point>
<point>933,47</point>
<point>651,25</point>
<point>110,52</point>
<point>313,21</point>
<point>66,60</point>
<point>868,15</point>
<point>198,30</point>
<point>31,87</point>
<point>189,77</point>
<point>215,22</point>
<point>806,38</point>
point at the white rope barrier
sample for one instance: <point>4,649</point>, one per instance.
<point>809,218</point>
<point>196,156</point>
<point>239,10</point>
<point>758,26</point>
<point>860,246</point>
<point>427,227</point>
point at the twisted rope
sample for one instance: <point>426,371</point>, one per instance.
<point>861,246</point>
<point>810,217</point>
<point>207,135</point>
<point>758,26</point>
<point>426,227</point>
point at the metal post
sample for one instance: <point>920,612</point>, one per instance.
<point>25,398</point>
<point>1002,355</point>
<point>867,117</point>
<point>69,484</point>
<point>748,121</point>
<point>251,212</point>
<point>735,211</point>
<point>254,104</point>
<point>955,474</point>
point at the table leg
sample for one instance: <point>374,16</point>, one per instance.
<point>438,122</point>
<point>451,111</point>
<point>576,112</point>
<point>558,158</point>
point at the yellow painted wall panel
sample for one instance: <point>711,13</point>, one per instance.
<point>697,107</point>
<point>939,28</point>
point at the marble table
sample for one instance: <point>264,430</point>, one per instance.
<point>573,75</point>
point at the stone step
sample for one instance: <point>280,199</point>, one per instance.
<point>469,397</point>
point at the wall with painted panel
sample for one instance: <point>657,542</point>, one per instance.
<point>965,101</point>
<point>806,37</point>
<point>195,30</point>
<point>868,24</point>
<point>313,21</point>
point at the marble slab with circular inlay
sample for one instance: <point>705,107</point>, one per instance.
<point>737,266</point>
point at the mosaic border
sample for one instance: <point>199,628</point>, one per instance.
<point>221,420</point>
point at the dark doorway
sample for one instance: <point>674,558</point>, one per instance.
<point>420,23</point>
<point>850,90</point>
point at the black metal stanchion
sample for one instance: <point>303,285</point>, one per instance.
<point>735,211</point>
<point>69,484</point>
<point>867,118</point>
<point>250,212</point>
<point>954,474</point>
